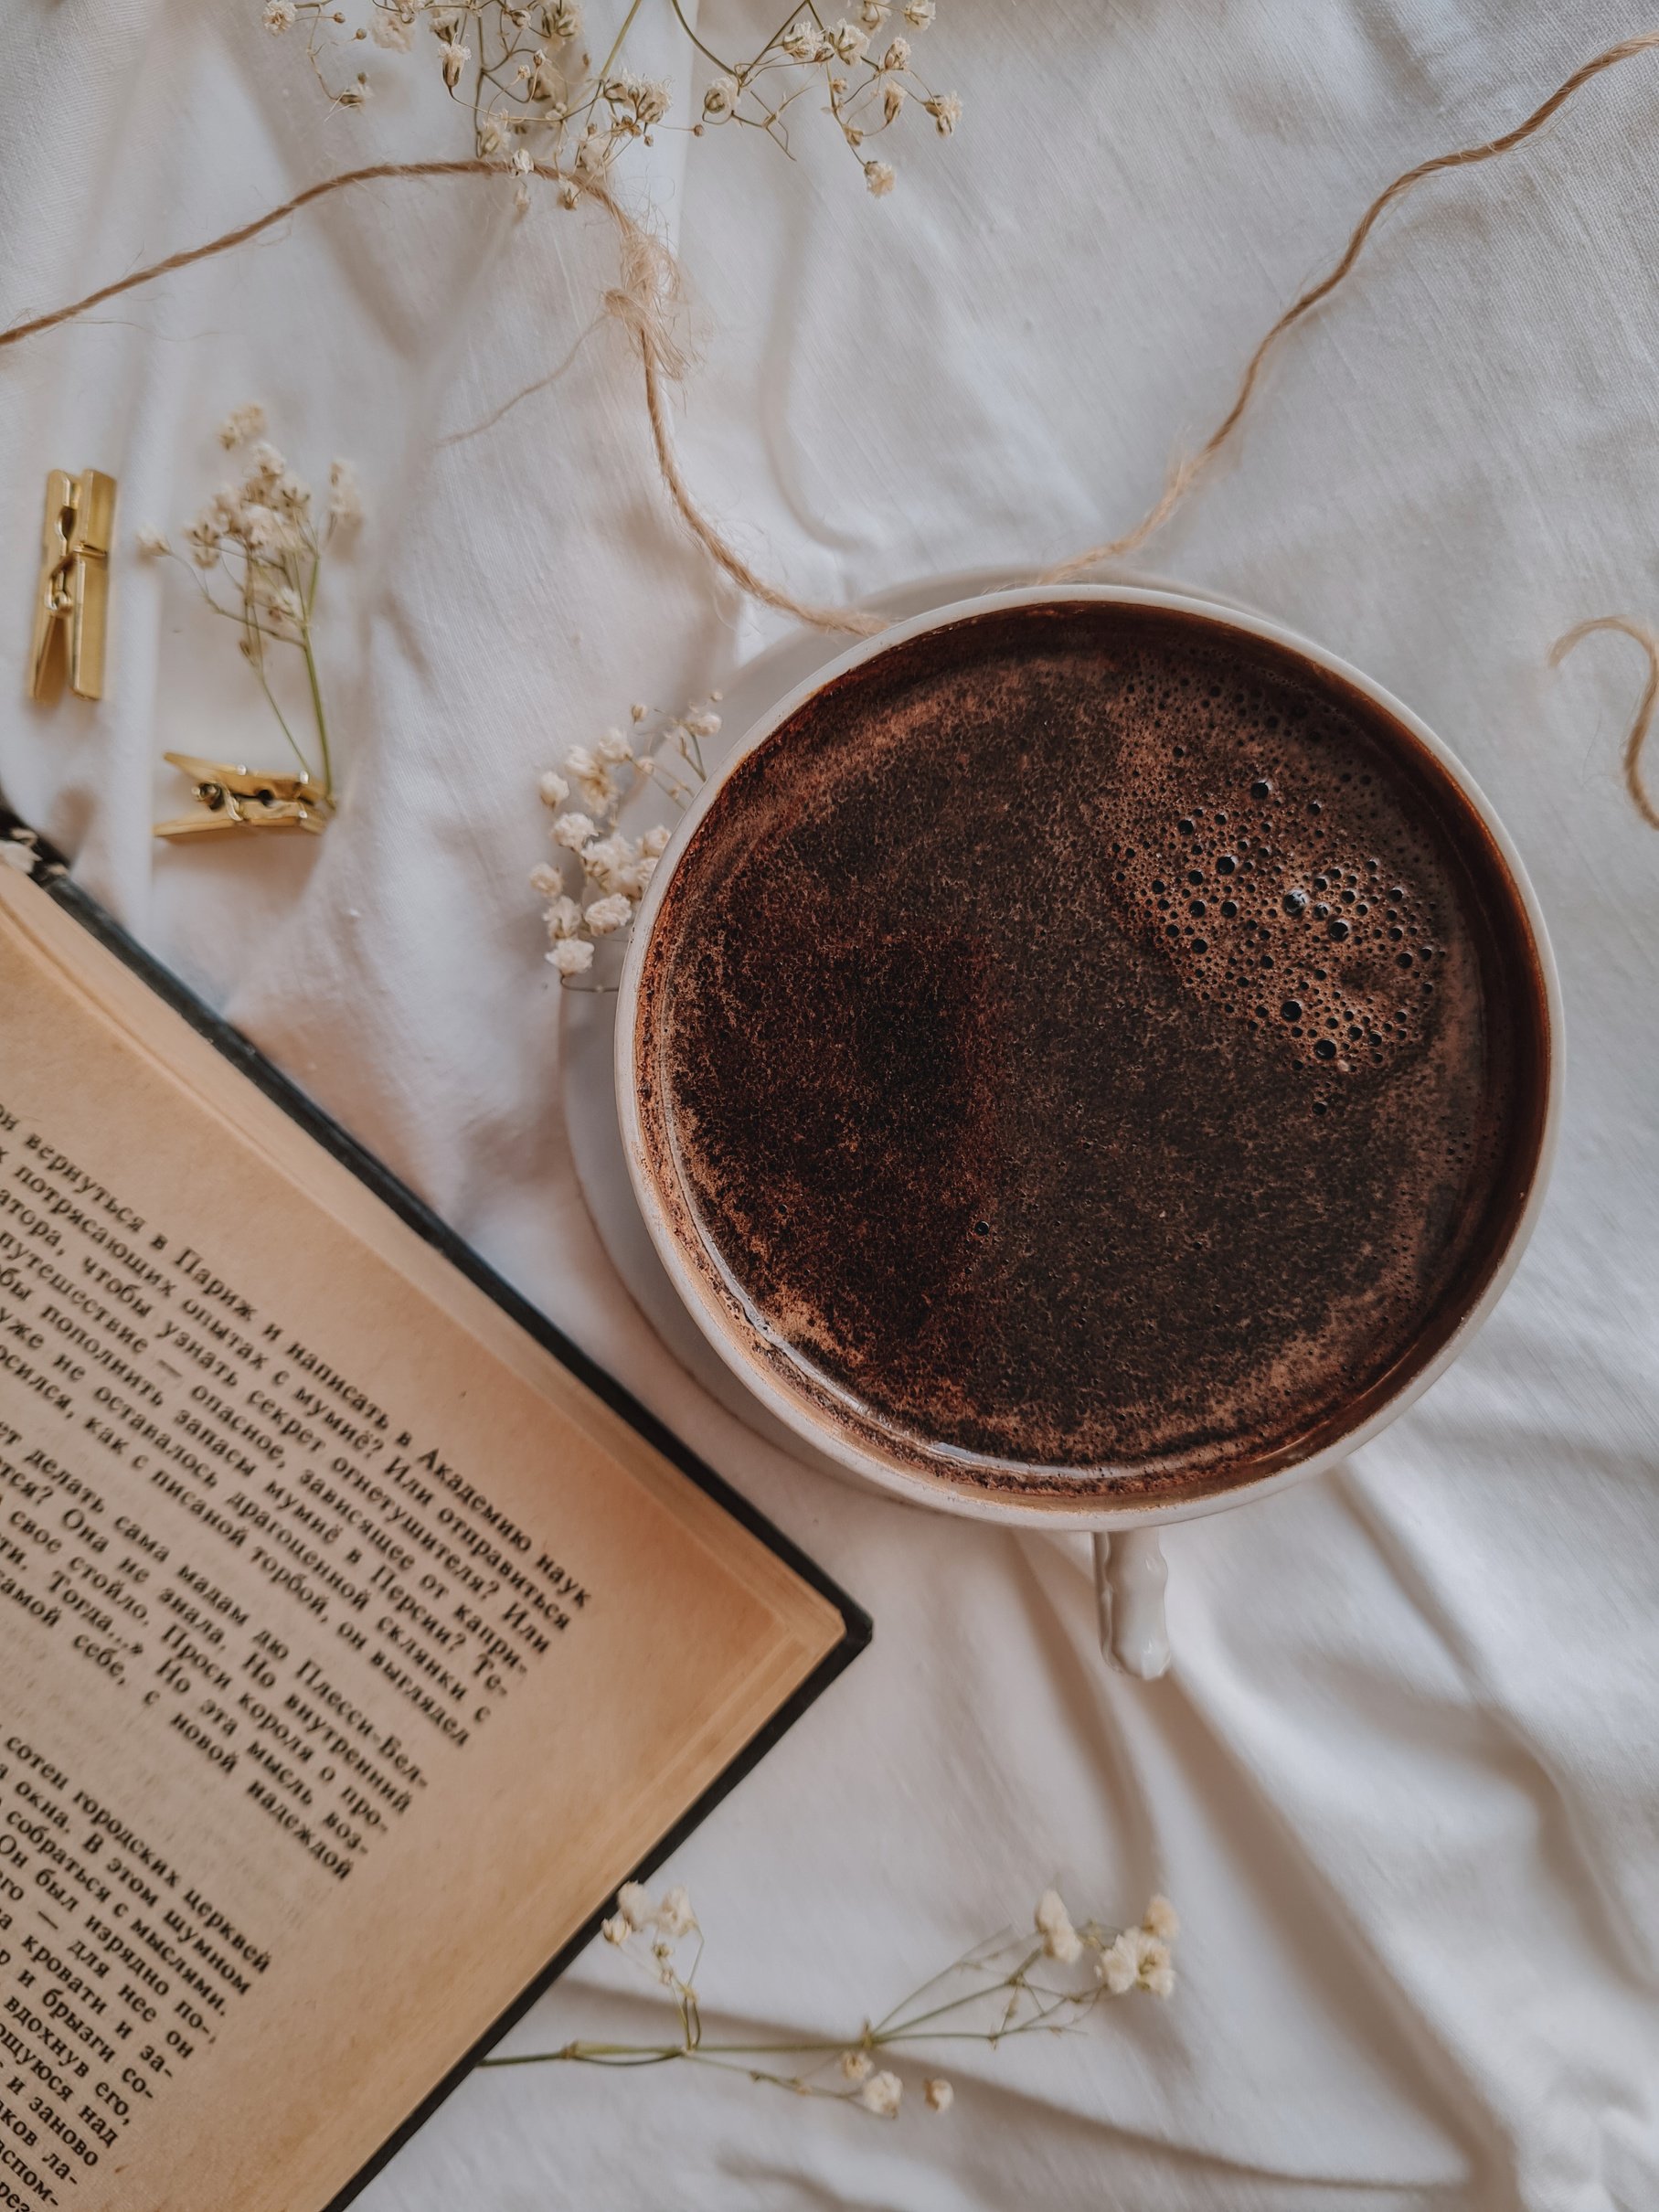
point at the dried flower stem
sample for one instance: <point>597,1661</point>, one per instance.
<point>526,80</point>
<point>997,1991</point>
<point>615,866</point>
<point>264,537</point>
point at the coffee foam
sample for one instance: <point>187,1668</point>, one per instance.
<point>1084,1048</point>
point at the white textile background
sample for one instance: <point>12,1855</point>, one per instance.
<point>1403,1783</point>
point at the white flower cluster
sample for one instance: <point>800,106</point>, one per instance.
<point>1134,1958</point>
<point>267,518</point>
<point>615,868</point>
<point>266,536</point>
<point>882,2092</point>
<point>868,87</point>
<point>636,1915</point>
<point>994,1993</point>
<point>527,81</point>
<point>523,81</point>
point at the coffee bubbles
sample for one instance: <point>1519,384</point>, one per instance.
<point>1291,839</point>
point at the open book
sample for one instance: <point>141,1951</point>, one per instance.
<point>357,1638</point>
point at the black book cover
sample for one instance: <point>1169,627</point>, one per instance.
<point>50,872</point>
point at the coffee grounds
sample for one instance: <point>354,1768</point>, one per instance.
<point>1092,1046</point>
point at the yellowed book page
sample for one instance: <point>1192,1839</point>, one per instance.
<point>350,1650</point>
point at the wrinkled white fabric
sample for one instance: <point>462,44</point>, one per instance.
<point>1403,1783</point>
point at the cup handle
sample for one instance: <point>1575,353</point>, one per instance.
<point>1129,1579</point>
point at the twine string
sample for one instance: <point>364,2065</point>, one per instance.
<point>1636,737</point>
<point>1185,474</point>
<point>646,302</point>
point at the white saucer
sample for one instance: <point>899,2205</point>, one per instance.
<point>588,1018</point>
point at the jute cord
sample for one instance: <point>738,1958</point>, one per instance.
<point>1637,737</point>
<point>1185,474</point>
<point>646,302</point>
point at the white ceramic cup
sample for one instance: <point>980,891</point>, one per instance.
<point>1130,1572</point>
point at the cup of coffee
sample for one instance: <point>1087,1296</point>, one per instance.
<point>1089,1058</point>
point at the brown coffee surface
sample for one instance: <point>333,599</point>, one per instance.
<point>1089,1045</point>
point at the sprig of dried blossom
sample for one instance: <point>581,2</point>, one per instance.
<point>1047,1982</point>
<point>265,539</point>
<point>612,869</point>
<point>530,86</point>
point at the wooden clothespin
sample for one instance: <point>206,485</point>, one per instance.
<point>72,603</point>
<point>239,801</point>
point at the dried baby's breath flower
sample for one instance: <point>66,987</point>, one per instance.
<point>666,755</point>
<point>264,528</point>
<point>241,424</point>
<point>574,956</point>
<point>608,914</point>
<point>881,2094</point>
<point>204,538</point>
<point>1137,1958</point>
<point>592,776</point>
<point>608,858</point>
<point>635,103</point>
<point>1060,1939</point>
<point>519,72</point>
<point>880,176</point>
<point>804,41</point>
<point>674,1915</point>
<point>391,29</point>
<point>345,494</point>
<point>849,41</point>
<point>1118,1965</point>
<point>266,466</point>
<point>946,110</point>
<point>633,1899</point>
<point>997,1991</point>
<point>153,544</point>
<point>1160,1918</point>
